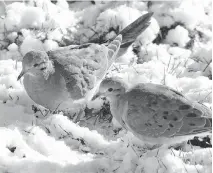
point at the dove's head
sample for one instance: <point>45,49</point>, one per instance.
<point>35,61</point>
<point>111,87</point>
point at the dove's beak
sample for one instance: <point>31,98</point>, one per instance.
<point>98,94</point>
<point>20,75</point>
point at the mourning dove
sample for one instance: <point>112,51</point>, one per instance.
<point>155,113</point>
<point>67,78</point>
<point>60,79</point>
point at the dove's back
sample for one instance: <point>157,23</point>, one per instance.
<point>84,67</point>
<point>158,114</point>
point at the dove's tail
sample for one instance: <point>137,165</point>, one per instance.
<point>113,49</point>
<point>132,31</point>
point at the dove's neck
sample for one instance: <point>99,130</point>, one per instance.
<point>117,107</point>
<point>112,98</point>
<point>49,69</point>
<point>35,73</point>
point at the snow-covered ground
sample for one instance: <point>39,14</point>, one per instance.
<point>176,50</point>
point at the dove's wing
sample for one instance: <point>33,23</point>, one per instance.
<point>133,30</point>
<point>158,111</point>
<point>82,67</point>
<point>113,49</point>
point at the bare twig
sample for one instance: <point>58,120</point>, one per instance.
<point>196,168</point>
<point>200,101</point>
<point>207,65</point>
<point>169,62</point>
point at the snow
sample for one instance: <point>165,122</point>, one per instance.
<point>13,15</point>
<point>55,35</point>
<point>50,45</point>
<point>12,36</point>
<point>62,4</point>
<point>180,58</point>
<point>13,47</point>
<point>30,43</point>
<point>58,20</point>
<point>191,13</point>
<point>150,33</point>
<point>174,36</point>
<point>32,17</point>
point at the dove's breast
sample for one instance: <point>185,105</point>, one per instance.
<point>118,108</point>
<point>50,93</point>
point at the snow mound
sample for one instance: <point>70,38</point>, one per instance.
<point>175,50</point>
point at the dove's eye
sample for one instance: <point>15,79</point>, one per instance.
<point>110,89</point>
<point>44,68</point>
<point>35,65</point>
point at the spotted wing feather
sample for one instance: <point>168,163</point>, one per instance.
<point>113,49</point>
<point>82,67</point>
<point>158,111</point>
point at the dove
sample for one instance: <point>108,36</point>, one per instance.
<point>154,113</point>
<point>64,79</point>
<point>67,78</point>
